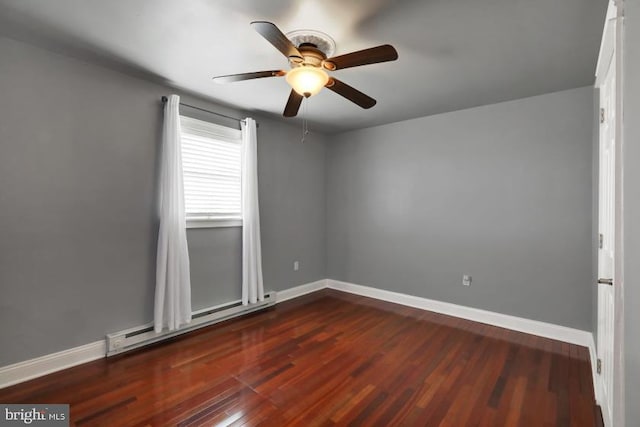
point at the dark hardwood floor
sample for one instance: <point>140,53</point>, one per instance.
<point>331,358</point>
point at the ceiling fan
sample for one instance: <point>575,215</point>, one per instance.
<point>310,59</point>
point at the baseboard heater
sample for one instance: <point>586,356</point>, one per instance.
<point>120,342</point>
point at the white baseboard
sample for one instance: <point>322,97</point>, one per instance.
<point>298,291</point>
<point>534,327</point>
<point>23,371</point>
<point>47,364</point>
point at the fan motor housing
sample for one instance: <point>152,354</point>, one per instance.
<point>311,56</point>
<point>315,47</point>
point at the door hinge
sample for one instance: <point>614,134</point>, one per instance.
<point>602,115</point>
<point>600,240</point>
<point>599,366</point>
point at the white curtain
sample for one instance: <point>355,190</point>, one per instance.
<point>173,285</point>
<point>252,287</point>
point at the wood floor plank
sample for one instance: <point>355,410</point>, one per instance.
<point>331,358</point>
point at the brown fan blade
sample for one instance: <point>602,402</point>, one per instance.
<point>372,55</point>
<point>248,76</point>
<point>274,36</point>
<point>293,104</point>
<point>352,94</point>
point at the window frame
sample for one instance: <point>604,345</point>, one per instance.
<point>223,134</point>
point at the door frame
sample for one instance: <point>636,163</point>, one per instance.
<point>612,44</point>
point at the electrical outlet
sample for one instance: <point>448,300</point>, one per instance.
<point>296,265</point>
<point>466,280</point>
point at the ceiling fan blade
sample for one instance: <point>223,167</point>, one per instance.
<point>372,55</point>
<point>352,94</point>
<point>293,104</point>
<point>248,76</point>
<point>274,36</point>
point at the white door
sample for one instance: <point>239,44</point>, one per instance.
<point>609,222</point>
<point>606,229</point>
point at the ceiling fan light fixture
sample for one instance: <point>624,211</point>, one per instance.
<point>306,80</point>
<point>310,53</point>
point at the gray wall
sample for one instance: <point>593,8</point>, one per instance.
<point>501,192</point>
<point>78,167</point>
<point>632,210</point>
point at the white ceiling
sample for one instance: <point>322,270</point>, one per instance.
<point>453,54</point>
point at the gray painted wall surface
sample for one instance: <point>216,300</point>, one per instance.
<point>501,192</point>
<point>78,166</point>
<point>405,212</point>
<point>632,210</point>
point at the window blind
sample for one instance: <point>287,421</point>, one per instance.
<point>211,166</point>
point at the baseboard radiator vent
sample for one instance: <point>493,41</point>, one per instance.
<point>140,336</point>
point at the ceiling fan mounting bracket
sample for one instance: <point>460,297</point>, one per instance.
<point>311,38</point>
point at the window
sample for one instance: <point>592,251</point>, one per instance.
<point>211,163</point>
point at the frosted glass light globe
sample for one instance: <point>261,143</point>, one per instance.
<point>307,80</point>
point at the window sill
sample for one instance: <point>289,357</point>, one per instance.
<point>213,222</point>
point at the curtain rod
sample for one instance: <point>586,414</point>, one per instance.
<point>164,100</point>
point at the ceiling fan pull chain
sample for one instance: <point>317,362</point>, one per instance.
<point>306,118</point>
<point>305,124</point>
